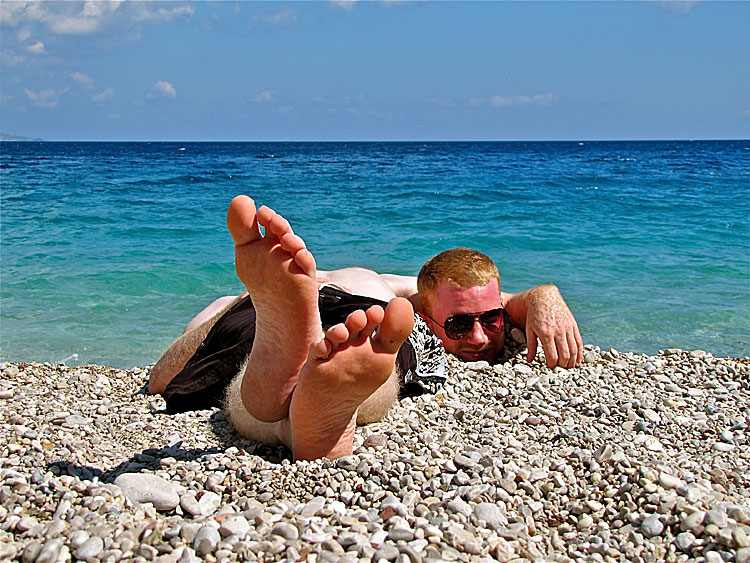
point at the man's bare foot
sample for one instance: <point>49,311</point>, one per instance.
<point>343,369</point>
<point>279,274</point>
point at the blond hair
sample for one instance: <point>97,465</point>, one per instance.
<point>460,267</point>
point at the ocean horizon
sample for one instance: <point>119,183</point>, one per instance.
<point>109,248</point>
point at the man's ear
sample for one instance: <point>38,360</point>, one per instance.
<point>427,320</point>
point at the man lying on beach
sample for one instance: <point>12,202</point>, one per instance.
<point>304,355</point>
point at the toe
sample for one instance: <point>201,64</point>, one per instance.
<point>242,220</point>
<point>396,327</point>
<point>337,335</point>
<point>355,322</point>
<point>306,262</point>
<point>279,226</point>
<point>375,315</point>
<point>292,243</point>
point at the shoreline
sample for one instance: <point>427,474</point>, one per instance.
<point>626,457</point>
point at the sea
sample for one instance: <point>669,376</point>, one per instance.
<point>108,249</point>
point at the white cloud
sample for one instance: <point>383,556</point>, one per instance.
<point>163,88</point>
<point>679,6</point>
<point>285,17</point>
<point>10,58</point>
<point>265,96</point>
<point>103,96</point>
<point>37,48</point>
<point>45,98</point>
<point>442,101</point>
<point>90,16</point>
<point>347,5</point>
<point>83,79</point>
<point>536,99</point>
<point>143,11</point>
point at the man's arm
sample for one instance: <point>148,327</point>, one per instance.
<point>404,286</point>
<point>543,313</point>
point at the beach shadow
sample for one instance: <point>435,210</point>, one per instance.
<point>150,459</point>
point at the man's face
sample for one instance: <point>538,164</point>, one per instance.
<point>478,344</point>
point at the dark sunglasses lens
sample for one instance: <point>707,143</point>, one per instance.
<point>458,326</point>
<point>493,320</point>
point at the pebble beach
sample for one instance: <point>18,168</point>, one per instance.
<point>627,457</point>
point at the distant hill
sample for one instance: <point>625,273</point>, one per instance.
<point>6,137</point>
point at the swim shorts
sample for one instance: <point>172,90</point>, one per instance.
<point>203,381</point>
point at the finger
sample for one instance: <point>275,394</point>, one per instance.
<point>550,350</point>
<point>563,352</point>
<point>530,344</point>
<point>579,341</point>
<point>574,350</point>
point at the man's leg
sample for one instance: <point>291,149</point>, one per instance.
<point>279,274</point>
<point>181,350</point>
<point>209,313</point>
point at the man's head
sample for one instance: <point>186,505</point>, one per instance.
<point>458,282</point>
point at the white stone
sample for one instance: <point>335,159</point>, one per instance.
<point>146,487</point>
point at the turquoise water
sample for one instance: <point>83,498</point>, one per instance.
<point>108,249</point>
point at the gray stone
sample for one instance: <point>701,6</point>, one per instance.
<point>348,462</point>
<point>386,551</point>
<point>603,453</point>
<point>188,556</point>
<point>717,517</point>
<point>312,507</point>
<point>190,504</point>
<point>590,357</point>
<point>692,522</point>
<point>685,541</point>
<point>235,524</point>
<point>742,555</point>
<point>31,552</point>
<point>652,526</point>
<point>92,547</point>
<point>50,551</point>
<point>405,534</point>
<point>78,538</point>
<point>584,522</point>
<point>145,487</point>
<point>206,540</point>
<point>375,441</point>
<point>459,506</point>
<point>466,460</point>
<point>209,503</point>
<point>523,369</point>
<point>669,481</point>
<point>285,530</point>
<point>490,513</point>
<point>741,538</point>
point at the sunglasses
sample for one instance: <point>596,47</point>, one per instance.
<point>458,326</point>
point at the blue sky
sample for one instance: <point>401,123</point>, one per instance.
<point>374,70</point>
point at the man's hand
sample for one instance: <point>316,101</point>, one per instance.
<point>549,319</point>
